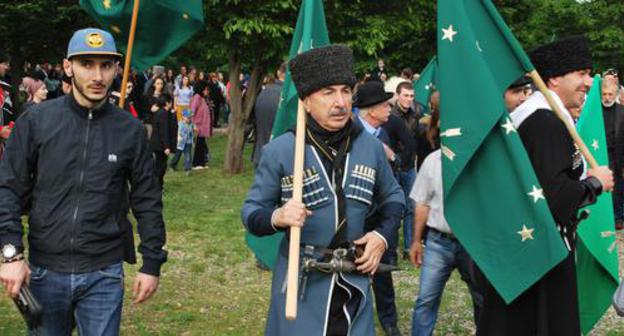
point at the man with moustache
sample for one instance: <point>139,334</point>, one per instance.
<point>345,174</point>
<point>613,115</point>
<point>83,161</point>
<point>550,306</point>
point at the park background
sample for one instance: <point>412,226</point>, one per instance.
<point>210,286</point>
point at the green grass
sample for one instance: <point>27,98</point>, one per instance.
<point>210,285</point>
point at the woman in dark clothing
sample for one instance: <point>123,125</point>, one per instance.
<point>169,81</point>
<point>150,101</point>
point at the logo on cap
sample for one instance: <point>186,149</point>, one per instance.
<point>95,40</point>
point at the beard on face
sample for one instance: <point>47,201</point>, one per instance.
<point>82,89</point>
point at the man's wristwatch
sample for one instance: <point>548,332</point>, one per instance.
<point>10,254</point>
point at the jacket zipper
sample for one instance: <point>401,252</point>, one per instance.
<point>80,189</point>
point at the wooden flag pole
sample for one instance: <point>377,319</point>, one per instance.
<point>126,70</point>
<point>295,232</point>
<point>541,86</point>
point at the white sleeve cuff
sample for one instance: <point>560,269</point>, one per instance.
<point>273,220</point>
<point>382,238</point>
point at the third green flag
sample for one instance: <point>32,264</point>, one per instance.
<point>493,200</point>
<point>596,249</point>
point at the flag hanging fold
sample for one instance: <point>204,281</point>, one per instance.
<point>310,32</point>
<point>162,26</point>
<point>426,84</point>
<point>493,200</point>
<point>596,251</point>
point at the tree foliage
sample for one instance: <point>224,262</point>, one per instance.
<point>31,31</point>
<point>253,36</point>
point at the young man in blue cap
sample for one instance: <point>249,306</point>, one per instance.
<point>82,162</point>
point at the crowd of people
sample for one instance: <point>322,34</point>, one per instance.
<point>406,189</point>
<point>199,103</point>
<point>372,164</point>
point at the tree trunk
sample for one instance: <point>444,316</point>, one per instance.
<point>240,108</point>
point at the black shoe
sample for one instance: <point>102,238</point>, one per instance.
<point>392,331</point>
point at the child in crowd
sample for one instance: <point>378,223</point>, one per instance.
<point>185,142</point>
<point>161,141</point>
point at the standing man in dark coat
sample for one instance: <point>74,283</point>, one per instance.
<point>613,115</point>
<point>216,95</point>
<point>550,306</point>
<point>264,112</point>
<point>374,111</point>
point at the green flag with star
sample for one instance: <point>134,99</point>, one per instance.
<point>162,25</point>
<point>596,251</point>
<point>493,200</point>
<point>310,32</point>
<point>426,84</point>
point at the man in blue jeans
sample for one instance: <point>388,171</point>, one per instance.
<point>405,171</point>
<point>442,252</point>
<point>82,162</point>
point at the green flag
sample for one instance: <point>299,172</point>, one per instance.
<point>596,252</point>
<point>310,32</point>
<point>493,200</point>
<point>426,84</point>
<point>162,25</point>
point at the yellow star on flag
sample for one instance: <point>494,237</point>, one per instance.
<point>116,29</point>
<point>537,194</point>
<point>595,144</point>
<point>185,16</point>
<point>526,233</point>
<point>107,4</point>
<point>508,126</point>
<point>448,33</point>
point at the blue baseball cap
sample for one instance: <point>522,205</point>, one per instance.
<point>92,41</point>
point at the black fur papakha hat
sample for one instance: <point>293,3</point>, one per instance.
<point>321,67</point>
<point>562,56</point>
